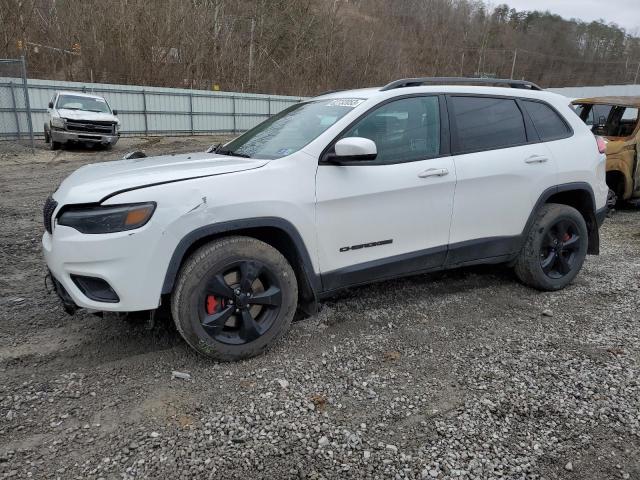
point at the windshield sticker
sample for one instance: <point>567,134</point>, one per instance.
<point>344,102</point>
<point>284,151</point>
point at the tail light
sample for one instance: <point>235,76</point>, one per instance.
<point>602,144</point>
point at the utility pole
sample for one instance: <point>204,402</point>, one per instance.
<point>253,27</point>
<point>513,65</point>
<point>635,80</point>
<point>462,65</point>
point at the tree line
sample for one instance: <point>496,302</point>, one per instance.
<point>302,47</point>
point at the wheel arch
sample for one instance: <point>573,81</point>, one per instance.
<point>580,196</point>
<point>277,232</point>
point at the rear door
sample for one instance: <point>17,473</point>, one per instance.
<point>502,169</point>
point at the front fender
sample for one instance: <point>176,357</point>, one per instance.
<point>310,280</point>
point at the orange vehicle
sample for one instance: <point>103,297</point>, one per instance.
<point>616,119</point>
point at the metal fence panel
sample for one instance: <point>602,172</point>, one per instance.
<point>151,110</point>
<point>598,91</point>
<point>15,108</point>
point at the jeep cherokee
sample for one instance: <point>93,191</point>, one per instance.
<point>343,189</point>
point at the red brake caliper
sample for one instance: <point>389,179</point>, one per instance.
<point>212,304</point>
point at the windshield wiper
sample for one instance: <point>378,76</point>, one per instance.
<point>231,153</point>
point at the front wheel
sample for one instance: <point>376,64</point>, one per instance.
<point>234,298</point>
<point>555,248</point>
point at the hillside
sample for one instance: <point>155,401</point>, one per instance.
<point>302,47</point>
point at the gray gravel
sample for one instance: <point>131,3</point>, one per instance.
<point>465,374</point>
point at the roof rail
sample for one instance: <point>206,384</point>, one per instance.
<point>415,82</point>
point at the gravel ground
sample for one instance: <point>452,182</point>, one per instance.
<point>463,374</point>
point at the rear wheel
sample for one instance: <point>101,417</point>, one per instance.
<point>555,248</point>
<point>234,298</point>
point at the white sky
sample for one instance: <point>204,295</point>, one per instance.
<point>625,13</point>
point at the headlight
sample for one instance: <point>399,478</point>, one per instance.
<point>117,127</point>
<point>57,122</point>
<point>107,219</point>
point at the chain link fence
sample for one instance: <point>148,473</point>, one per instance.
<point>15,108</point>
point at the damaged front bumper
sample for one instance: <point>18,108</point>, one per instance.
<point>51,284</point>
<point>65,136</point>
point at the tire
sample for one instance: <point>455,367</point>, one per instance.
<point>612,199</point>
<point>555,248</point>
<point>47,137</point>
<point>227,276</point>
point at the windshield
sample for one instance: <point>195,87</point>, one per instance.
<point>73,102</point>
<point>290,130</point>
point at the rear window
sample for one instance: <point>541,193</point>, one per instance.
<point>548,124</point>
<point>485,123</point>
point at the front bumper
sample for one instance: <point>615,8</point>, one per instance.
<point>64,136</point>
<point>130,263</point>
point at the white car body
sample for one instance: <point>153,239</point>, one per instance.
<point>350,224</point>
<point>77,125</point>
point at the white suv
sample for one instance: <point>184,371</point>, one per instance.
<point>344,189</point>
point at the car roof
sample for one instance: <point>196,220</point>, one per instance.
<point>80,94</point>
<point>621,101</point>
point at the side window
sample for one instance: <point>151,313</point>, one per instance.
<point>546,121</point>
<point>485,123</point>
<point>403,130</point>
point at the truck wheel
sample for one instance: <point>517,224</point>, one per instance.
<point>234,298</point>
<point>47,137</point>
<point>555,248</point>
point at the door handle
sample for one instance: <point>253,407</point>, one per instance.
<point>535,159</point>
<point>433,172</point>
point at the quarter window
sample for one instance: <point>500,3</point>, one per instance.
<point>403,130</point>
<point>546,121</point>
<point>485,123</point>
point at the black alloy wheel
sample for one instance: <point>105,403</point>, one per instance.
<point>559,248</point>
<point>234,298</point>
<point>240,302</point>
<point>554,249</point>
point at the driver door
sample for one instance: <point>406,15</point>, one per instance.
<point>389,216</point>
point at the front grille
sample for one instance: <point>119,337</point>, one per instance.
<point>47,212</point>
<point>91,126</point>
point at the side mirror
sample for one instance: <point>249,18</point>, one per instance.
<point>115,112</point>
<point>50,104</point>
<point>355,148</point>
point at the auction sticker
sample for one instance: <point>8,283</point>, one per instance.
<point>344,102</point>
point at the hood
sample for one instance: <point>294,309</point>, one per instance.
<point>92,183</point>
<point>86,115</point>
